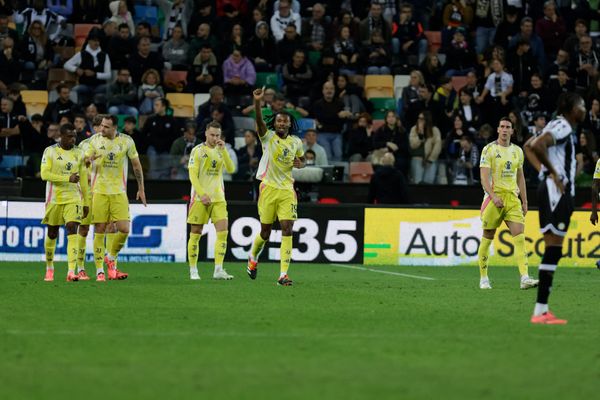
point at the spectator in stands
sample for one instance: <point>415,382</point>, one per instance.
<point>388,185</point>
<point>425,103</point>
<point>408,39</point>
<point>149,91</point>
<point>457,13</point>
<point>129,127</point>
<point>571,43</point>
<point>468,110</point>
<point>376,56</point>
<point>10,67</point>
<point>539,123</point>
<point>204,14</point>
<point>522,65</point>
<point>216,98</point>
<point>507,28</point>
<point>592,119</point>
<point>6,31</point>
<point>451,144</point>
<point>345,18</point>
<point>35,141</point>
<point>391,137</point>
<point>316,30</point>
<point>177,13</point>
<point>218,113</point>
<point>359,142</point>
<point>284,17</point>
<point>62,106</point>
<point>484,136</point>
<point>121,47</point>
<point>204,72</point>
<point>375,22</point>
<point>249,156</point>
<point>520,131</point>
<point>460,58</point>
<point>10,132</point>
<point>445,102</point>
<point>108,31</point>
<point>310,143</point>
<point>89,12</point>
<point>144,59</point>
<point>330,117</point>
<point>586,156</point>
<point>261,48</point>
<point>297,75</point>
<point>426,145</point>
<point>467,171</point>
<point>351,95</point>
<point>36,50</point>
<point>175,51</point>
<point>236,41</point>
<point>143,29</point>
<point>239,74</point>
<point>488,15</point>
<point>203,38</point>
<point>81,128</point>
<point>290,43</point>
<point>181,150</point>
<point>268,98</point>
<point>537,100</point>
<point>499,86</point>
<point>160,131</point>
<point>122,95</point>
<point>346,51</point>
<point>14,93</point>
<point>259,14</point>
<point>326,70</point>
<point>537,45</point>
<point>586,61</point>
<point>432,69</point>
<point>473,85</point>
<point>551,29</point>
<point>562,62</point>
<point>50,20</point>
<point>120,14</point>
<point>410,94</point>
<point>92,66</point>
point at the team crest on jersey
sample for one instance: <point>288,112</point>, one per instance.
<point>69,166</point>
<point>213,164</point>
<point>285,153</point>
<point>508,165</point>
<point>111,156</point>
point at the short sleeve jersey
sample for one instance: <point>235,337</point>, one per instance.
<point>207,165</point>
<point>562,154</point>
<point>63,163</point>
<point>109,175</point>
<point>275,167</point>
<point>504,162</point>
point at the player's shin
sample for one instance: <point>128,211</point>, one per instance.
<point>118,241</point>
<point>286,254</point>
<point>521,254</point>
<point>193,250</point>
<point>81,243</point>
<point>72,251</point>
<point>50,247</point>
<point>220,249</point>
<point>110,240</point>
<point>257,247</point>
<point>552,256</point>
<point>99,250</point>
<point>483,256</point>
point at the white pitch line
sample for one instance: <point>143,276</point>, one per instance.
<point>426,278</point>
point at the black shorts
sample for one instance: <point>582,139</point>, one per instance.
<point>555,221</point>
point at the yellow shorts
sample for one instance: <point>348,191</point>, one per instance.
<point>199,214</point>
<point>274,203</point>
<point>109,207</point>
<point>492,216</point>
<point>60,214</point>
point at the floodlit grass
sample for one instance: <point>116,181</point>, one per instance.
<point>338,333</point>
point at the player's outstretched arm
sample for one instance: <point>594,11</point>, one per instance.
<point>522,189</point>
<point>139,177</point>
<point>261,127</point>
<point>595,190</point>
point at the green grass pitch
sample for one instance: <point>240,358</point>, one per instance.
<point>338,333</point>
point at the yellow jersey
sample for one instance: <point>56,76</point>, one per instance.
<point>109,175</point>
<point>597,170</point>
<point>57,167</point>
<point>275,167</point>
<point>504,162</point>
<point>206,172</point>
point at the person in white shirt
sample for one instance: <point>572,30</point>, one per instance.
<point>499,86</point>
<point>282,18</point>
<point>310,143</point>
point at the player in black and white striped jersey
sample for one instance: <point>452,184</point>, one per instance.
<point>554,149</point>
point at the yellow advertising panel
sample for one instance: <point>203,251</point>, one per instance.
<point>447,237</point>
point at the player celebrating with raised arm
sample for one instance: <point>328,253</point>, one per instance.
<point>555,150</point>
<point>503,181</point>
<point>110,150</point>
<point>67,196</point>
<point>277,198</point>
<point>207,200</point>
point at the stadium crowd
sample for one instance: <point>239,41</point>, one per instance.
<point>417,87</point>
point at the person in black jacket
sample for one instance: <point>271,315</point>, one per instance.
<point>144,59</point>
<point>359,143</point>
<point>159,132</point>
<point>392,137</point>
<point>388,184</point>
<point>261,48</point>
<point>62,106</point>
<point>121,47</point>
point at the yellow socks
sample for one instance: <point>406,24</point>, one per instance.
<point>50,246</point>
<point>285,253</point>
<point>484,249</point>
<point>193,249</point>
<point>521,254</point>
<point>99,251</point>
<point>257,247</point>
<point>81,242</point>
<point>72,251</point>
<point>118,241</point>
<point>220,249</point>
<point>110,238</point>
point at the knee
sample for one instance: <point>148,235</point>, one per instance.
<point>84,230</point>
<point>124,230</point>
<point>265,233</point>
<point>52,234</point>
<point>287,231</point>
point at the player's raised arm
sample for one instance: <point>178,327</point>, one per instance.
<point>539,147</point>
<point>139,177</point>
<point>261,127</point>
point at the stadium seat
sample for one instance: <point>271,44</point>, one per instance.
<point>306,123</point>
<point>358,80</point>
<point>458,82</point>
<point>199,99</point>
<point>435,40</point>
<point>173,79</point>
<point>8,164</point>
<point>65,52</point>
<point>53,96</point>
<point>379,86</point>
<point>361,172</point>
<point>314,57</point>
<point>381,105</point>
<point>244,123</point>
<point>35,101</point>
<point>268,79</point>
<point>145,13</point>
<point>60,75</point>
<point>81,32</point>
<point>182,104</point>
<point>400,82</point>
